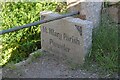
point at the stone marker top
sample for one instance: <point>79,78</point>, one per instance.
<point>51,14</point>
<point>77,20</point>
<point>45,12</point>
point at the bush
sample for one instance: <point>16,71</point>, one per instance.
<point>17,45</point>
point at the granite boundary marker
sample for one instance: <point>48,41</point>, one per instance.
<point>69,38</point>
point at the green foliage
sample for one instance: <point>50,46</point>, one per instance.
<point>17,45</point>
<point>104,51</point>
<point>36,55</point>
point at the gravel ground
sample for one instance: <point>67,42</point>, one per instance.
<point>47,66</point>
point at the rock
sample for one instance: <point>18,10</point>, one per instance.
<point>69,38</point>
<point>114,12</point>
<point>88,10</point>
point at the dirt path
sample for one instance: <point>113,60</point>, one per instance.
<point>46,66</point>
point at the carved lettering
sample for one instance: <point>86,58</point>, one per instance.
<point>79,28</point>
<point>52,32</point>
<point>71,39</point>
<point>45,29</point>
<point>63,36</point>
<point>60,46</point>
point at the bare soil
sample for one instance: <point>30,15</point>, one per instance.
<point>47,66</point>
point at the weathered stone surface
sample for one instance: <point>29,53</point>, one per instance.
<point>119,15</point>
<point>111,3</point>
<point>114,13</point>
<point>69,38</point>
<point>88,10</point>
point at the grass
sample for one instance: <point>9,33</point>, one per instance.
<point>104,51</point>
<point>36,55</point>
<point>17,46</point>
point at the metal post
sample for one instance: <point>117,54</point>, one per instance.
<point>38,22</point>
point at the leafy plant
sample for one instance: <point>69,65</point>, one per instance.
<point>17,45</point>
